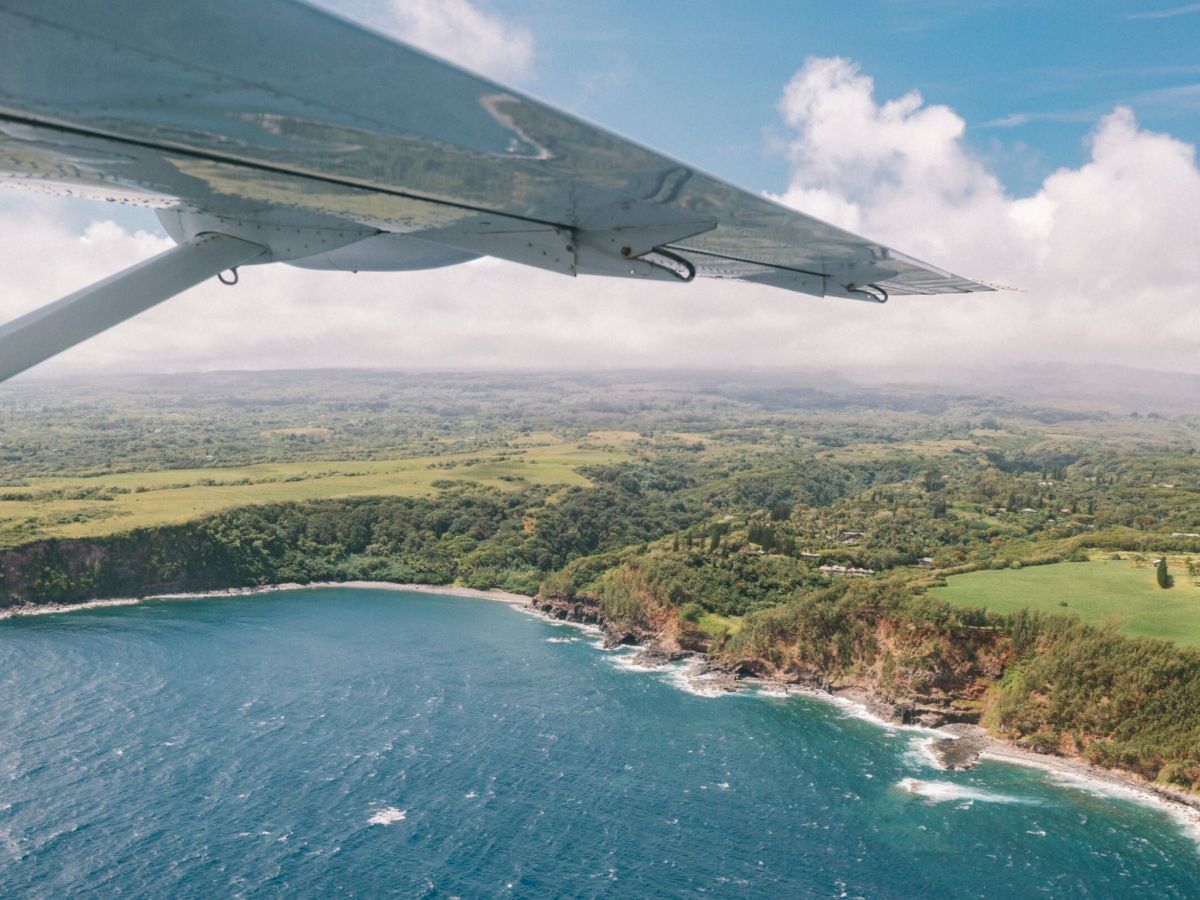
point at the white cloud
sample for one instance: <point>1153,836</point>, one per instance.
<point>1105,255</point>
<point>460,31</point>
<point>1104,252</point>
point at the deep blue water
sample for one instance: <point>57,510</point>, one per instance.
<point>366,743</point>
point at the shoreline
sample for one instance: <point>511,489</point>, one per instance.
<point>1073,772</point>
<point>1065,771</point>
<point>1076,771</point>
<point>47,609</point>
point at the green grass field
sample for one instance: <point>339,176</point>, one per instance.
<point>1116,591</point>
<point>106,504</point>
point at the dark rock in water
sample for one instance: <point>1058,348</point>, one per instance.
<point>582,610</point>
<point>654,654</point>
<point>935,715</point>
<point>752,668</point>
<point>962,750</point>
<point>622,639</point>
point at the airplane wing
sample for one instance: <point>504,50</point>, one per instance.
<point>270,131</point>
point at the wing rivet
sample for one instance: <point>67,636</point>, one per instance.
<point>626,251</point>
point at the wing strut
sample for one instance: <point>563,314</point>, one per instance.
<point>38,335</point>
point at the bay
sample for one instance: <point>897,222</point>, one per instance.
<point>378,743</point>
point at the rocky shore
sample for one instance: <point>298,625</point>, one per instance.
<point>958,741</point>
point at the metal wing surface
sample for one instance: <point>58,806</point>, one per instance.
<point>325,145</point>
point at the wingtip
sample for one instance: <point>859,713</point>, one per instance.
<point>992,286</point>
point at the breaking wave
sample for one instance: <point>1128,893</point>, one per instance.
<point>949,792</point>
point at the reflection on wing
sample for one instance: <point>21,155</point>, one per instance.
<point>278,124</point>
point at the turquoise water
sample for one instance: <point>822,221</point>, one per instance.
<point>366,743</point>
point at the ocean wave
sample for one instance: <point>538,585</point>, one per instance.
<point>634,662</point>
<point>854,709</point>
<point>689,677</point>
<point>591,630</point>
<point>948,791</point>
<point>1188,819</point>
<point>686,675</point>
<point>387,816</point>
<point>920,755</point>
<point>775,692</point>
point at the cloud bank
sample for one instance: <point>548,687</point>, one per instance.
<point>1104,255</point>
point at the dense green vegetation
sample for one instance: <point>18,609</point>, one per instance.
<point>953,552</point>
<point>476,536</point>
<point>1128,703</point>
<point>1049,681</point>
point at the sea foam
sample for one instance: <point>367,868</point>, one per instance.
<point>948,792</point>
<point>1187,818</point>
<point>387,816</point>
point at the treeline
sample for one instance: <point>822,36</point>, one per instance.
<point>480,537</point>
<point>469,534</point>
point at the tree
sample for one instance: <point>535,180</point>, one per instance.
<point>1164,580</point>
<point>714,541</point>
<point>932,480</point>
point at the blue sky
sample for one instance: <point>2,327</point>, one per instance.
<point>702,80</point>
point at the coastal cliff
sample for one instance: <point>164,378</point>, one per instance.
<point>1048,689</point>
<point>951,691</point>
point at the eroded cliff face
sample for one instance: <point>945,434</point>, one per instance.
<point>901,673</point>
<point>658,634</point>
<point>930,681</point>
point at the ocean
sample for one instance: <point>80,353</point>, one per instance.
<point>355,742</point>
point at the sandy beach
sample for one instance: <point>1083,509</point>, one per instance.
<point>45,609</point>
